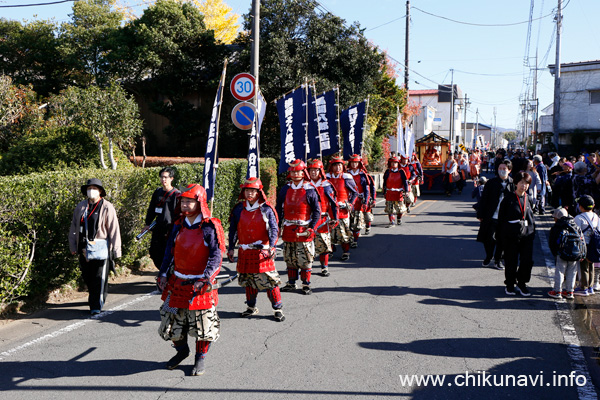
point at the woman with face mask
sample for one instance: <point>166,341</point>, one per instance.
<point>96,239</point>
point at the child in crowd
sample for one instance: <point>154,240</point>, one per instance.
<point>566,270</point>
<point>478,190</point>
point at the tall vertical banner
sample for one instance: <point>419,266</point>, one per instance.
<point>211,156</point>
<point>328,122</point>
<point>254,142</point>
<point>352,122</point>
<point>409,140</point>
<point>292,117</point>
<point>400,142</point>
<point>314,134</point>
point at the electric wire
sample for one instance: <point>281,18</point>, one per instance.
<point>37,4</point>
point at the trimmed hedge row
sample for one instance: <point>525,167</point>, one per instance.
<point>36,212</point>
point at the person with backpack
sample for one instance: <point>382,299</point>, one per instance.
<point>567,245</point>
<point>589,223</point>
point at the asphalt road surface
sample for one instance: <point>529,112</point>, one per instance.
<point>413,302</point>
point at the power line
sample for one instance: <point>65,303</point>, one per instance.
<point>475,24</point>
<point>38,4</point>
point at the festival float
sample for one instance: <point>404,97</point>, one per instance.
<point>432,151</point>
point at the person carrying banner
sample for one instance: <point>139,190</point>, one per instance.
<point>347,193</point>
<point>417,179</point>
<point>188,272</point>
<point>299,211</point>
<point>329,213</point>
<point>410,176</point>
<point>161,211</point>
<point>362,180</point>
<point>253,224</point>
<point>395,185</point>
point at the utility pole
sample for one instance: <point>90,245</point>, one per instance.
<point>467,102</point>
<point>452,112</point>
<point>255,42</point>
<point>406,42</point>
<point>556,105</point>
<point>535,110</point>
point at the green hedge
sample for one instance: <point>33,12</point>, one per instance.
<point>36,212</point>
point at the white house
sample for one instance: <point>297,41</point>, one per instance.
<point>579,103</point>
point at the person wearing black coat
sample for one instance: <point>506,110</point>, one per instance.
<point>487,213</point>
<point>516,230</point>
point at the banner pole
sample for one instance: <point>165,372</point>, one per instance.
<point>306,87</point>
<point>220,102</point>
<point>337,91</point>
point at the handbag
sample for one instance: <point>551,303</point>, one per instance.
<point>96,249</point>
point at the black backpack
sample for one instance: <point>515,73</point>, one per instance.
<point>571,243</point>
<point>593,248</point>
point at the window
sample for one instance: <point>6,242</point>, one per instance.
<point>594,96</point>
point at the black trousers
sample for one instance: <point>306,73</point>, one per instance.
<point>95,276</point>
<point>518,258</point>
<point>490,241</point>
<point>158,244</point>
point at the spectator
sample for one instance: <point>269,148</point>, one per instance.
<point>95,237</point>
<point>535,185</point>
<point>566,270</point>
<point>586,220</point>
<point>583,183</point>
<point>493,193</point>
<point>540,167</point>
<point>478,190</point>
<point>516,231</point>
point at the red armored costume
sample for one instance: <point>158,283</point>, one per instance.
<point>360,216</point>
<point>395,186</point>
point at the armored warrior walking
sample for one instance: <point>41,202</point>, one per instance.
<point>299,210</point>
<point>395,185</point>
<point>254,225</point>
<point>360,215</point>
<point>192,261</point>
<point>329,213</point>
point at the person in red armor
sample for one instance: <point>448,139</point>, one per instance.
<point>395,185</point>
<point>417,179</point>
<point>329,213</point>
<point>347,193</point>
<point>359,216</point>
<point>253,224</point>
<point>192,261</point>
<point>299,210</point>
<point>409,198</point>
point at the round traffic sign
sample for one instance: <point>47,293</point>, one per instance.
<point>243,86</point>
<point>243,115</point>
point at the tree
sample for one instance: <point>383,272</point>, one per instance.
<point>30,55</point>
<point>510,136</point>
<point>106,113</point>
<point>86,41</point>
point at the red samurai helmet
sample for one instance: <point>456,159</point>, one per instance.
<point>336,159</point>
<point>197,192</point>
<point>317,164</point>
<point>253,183</point>
<point>298,165</point>
<point>393,159</point>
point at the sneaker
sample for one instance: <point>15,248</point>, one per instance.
<point>345,256</point>
<point>590,290</point>
<point>278,315</point>
<point>522,288</point>
<point>368,230</point>
<point>178,358</point>
<point>580,292</point>
<point>198,366</point>
<point>408,210</point>
<point>568,295</point>
<point>510,290</point>
<point>399,221</point>
<point>499,265</point>
<point>250,311</point>
<point>95,312</point>
<point>391,225</point>
<point>486,263</point>
<point>289,287</point>
<point>555,295</point>
<point>325,271</point>
<point>306,289</point>
<point>354,245</point>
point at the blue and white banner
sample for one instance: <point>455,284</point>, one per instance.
<point>327,118</point>
<point>254,143</point>
<point>352,122</point>
<point>211,156</point>
<point>314,142</point>
<point>292,119</point>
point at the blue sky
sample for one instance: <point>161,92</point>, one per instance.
<point>488,61</point>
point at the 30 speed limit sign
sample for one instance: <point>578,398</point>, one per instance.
<point>243,86</point>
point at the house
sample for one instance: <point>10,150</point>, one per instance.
<point>435,115</point>
<point>579,117</point>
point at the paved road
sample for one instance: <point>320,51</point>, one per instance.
<point>412,300</point>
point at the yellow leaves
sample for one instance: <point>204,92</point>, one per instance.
<point>218,16</point>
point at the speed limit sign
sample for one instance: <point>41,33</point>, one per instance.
<point>243,86</point>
